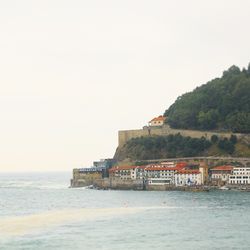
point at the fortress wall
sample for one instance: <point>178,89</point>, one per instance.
<point>125,135</point>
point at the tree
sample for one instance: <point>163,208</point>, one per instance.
<point>222,103</point>
<point>226,145</point>
<point>208,120</point>
<point>233,139</point>
<point>214,139</point>
<point>239,122</point>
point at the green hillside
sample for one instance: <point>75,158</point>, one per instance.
<point>174,146</point>
<point>221,104</point>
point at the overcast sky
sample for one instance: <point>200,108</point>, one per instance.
<point>73,73</point>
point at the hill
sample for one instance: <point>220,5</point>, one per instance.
<point>221,104</point>
<point>175,146</point>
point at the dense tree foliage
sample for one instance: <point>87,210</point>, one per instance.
<point>226,145</point>
<point>171,146</point>
<point>223,103</point>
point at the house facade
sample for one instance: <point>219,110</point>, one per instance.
<point>157,121</point>
<point>166,173</point>
<point>188,177</point>
<point>240,176</point>
<point>125,172</point>
<point>220,174</point>
<point>160,174</point>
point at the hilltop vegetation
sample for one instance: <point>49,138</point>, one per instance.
<point>174,146</point>
<point>156,147</point>
<point>221,104</point>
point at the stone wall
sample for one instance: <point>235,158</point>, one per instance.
<point>84,179</point>
<point>125,135</point>
<point>119,184</point>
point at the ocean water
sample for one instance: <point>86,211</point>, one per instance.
<point>39,211</point>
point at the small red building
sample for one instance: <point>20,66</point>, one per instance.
<point>157,121</point>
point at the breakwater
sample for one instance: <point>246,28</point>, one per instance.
<point>119,184</point>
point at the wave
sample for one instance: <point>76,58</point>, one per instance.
<point>32,185</point>
<point>30,224</point>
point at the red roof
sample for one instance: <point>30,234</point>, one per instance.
<point>223,168</point>
<point>162,168</point>
<point>141,167</point>
<point>159,118</point>
<point>158,168</point>
<point>118,168</point>
<point>189,171</point>
<point>181,164</point>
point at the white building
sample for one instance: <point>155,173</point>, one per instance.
<point>157,121</point>
<point>159,181</point>
<point>140,173</point>
<point>221,174</point>
<point>160,174</point>
<point>188,177</point>
<point>240,176</point>
<point>127,172</point>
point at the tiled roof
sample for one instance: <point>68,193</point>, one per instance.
<point>141,167</point>
<point>181,164</point>
<point>113,169</point>
<point>162,168</point>
<point>152,167</point>
<point>188,171</point>
<point>223,168</point>
<point>159,118</point>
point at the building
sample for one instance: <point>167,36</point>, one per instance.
<point>188,177</point>
<point>203,168</point>
<point>220,174</point>
<point>157,121</point>
<point>160,174</point>
<point>85,176</point>
<point>140,172</point>
<point>159,181</point>
<point>124,172</point>
<point>240,176</point>
<point>103,163</point>
<point>165,173</point>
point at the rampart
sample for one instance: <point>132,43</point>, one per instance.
<point>125,135</point>
<point>117,183</point>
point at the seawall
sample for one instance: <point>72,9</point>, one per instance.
<point>118,184</point>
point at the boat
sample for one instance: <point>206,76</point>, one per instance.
<point>223,188</point>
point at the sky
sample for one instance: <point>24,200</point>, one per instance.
<point>74,72</point>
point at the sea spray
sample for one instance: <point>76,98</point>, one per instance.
<point>30,224</point>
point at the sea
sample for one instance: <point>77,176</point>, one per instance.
<point>38,211</point>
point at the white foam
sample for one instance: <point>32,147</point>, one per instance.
<point>32,185</point>
<point>21,225</point>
